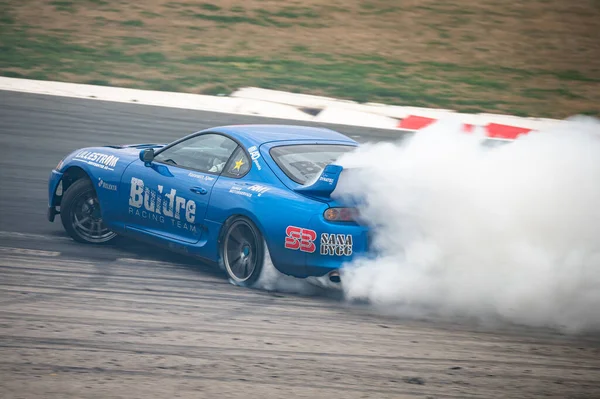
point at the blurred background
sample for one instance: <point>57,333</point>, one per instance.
<point>527,58</point>
<point>498,246</point>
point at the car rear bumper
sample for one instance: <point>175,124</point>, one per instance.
<point>337,245</point>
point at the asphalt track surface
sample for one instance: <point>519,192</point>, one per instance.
<point>132,321</point>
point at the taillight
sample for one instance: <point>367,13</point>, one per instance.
<point>340,214</point>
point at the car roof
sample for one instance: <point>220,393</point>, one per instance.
<point>260,134</point>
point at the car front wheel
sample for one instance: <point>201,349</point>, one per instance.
<point>242,251</point>
<point>80,214</point>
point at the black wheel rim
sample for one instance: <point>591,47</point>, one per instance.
<point>87,219</point>
<point>241,251</point>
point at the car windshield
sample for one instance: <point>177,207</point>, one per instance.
<point>304,162</point>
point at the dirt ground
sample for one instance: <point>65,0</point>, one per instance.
<point>540,58</point>
<point>73,328</point>
<point>531,34</point>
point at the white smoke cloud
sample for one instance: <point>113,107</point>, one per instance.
<point>271,279</point>
<point>462,228</point>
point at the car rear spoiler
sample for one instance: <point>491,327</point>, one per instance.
<point>324,185</point>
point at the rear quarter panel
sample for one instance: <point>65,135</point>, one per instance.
<point>273,208</point>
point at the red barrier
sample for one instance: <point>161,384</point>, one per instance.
<point>499,131</point>
<point>413,122</point>
<point>495,130</point>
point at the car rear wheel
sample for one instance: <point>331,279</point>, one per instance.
<point>242,251</point>
<point>80,214</point>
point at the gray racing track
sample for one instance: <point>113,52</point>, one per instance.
<point>132,321</point>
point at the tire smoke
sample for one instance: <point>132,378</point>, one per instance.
<point>271,279</point>
<point>462,228</point>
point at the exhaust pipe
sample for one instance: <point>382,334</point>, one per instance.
<point>334,277</point>
<point>331,280</point>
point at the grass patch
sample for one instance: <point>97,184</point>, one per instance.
<point>374,9</point>
<point>199,59</point>
<point>133,22</point>
<point>97,82</point>
<point>293,13</point>
<point>63,6</point>
<point>6,19</point>
<point>478,81</point>
<point>111,74</point>
<point>210,7</point>
<point>549,93</point>
<point>136,41</point>
<point>12,74</point>
<point>152,58</point>
<point>216,47</point>
<point>149,14</point>
<point>215,90</point>
<point>228,19</point>
<point>112,54</point>
<point>300,49</point>
<point>280,18</point>
<point>574,75</point>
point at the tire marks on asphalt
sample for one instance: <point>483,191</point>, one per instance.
<point>173,325</point>
<point>25,251</point>
<point>91,324</point>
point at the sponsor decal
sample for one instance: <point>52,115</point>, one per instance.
<point>257,188</point>
<point>160,206</point>
<point>97,159</point>
<point>254,154</point>
<point>336,244</point>
<point>238,165</point>
<point>201,176</point>
<point>326,179</point>
<point>239,190</point>
<point>105,185</point>
<point>248,191</point>
<point>299,238</point>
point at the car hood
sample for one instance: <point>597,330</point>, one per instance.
<point>128,151</point>
<point>134,146</point>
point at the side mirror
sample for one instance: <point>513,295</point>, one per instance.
<point>147,156</point>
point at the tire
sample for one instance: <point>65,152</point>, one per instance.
<point>242,251</point>
<point>81,216</point>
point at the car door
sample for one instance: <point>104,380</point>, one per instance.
<point>169,197</point>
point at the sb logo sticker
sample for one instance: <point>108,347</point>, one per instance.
<point>302,239</point>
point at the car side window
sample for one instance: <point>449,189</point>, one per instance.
<point>239,164</point>
<point>207,152</point>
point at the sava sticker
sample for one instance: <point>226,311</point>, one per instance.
<point>97,159</point>
<point>105,185</point>
<point>161,207</point>
<point>254,154</point>
<point>299,238</point>
<point>336,244</point>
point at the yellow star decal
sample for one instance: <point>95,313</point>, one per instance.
<point>238,164</point>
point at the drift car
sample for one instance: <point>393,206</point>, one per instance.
<point>230,195</point>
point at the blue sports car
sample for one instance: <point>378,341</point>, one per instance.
<point>229,195</point>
